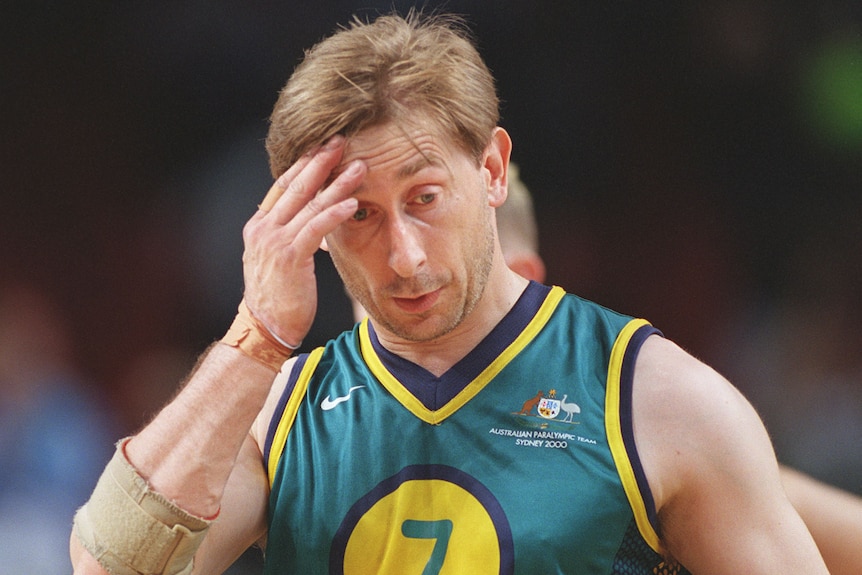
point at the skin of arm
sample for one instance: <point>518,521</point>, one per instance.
<point>197,451</point>
<point>242,521</point>
<point>712,471</point>
<point>834,518</point>
<point>223,373</point>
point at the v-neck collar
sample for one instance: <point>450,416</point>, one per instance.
<point>433,398</point>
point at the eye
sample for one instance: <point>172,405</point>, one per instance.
<point>425,199</point>
<point>360,214</point>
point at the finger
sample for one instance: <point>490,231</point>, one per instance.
<point>280,184</point>
<point>330,208</point>
<point>309,238</point>
<point>302,181</point>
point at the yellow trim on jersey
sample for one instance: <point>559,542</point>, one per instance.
<point>613,427</point>
<point>289,414</point>
<point>408,400</point>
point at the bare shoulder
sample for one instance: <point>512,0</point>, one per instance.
<point>711,469</point>
<point>686,403</point>
<point>683,411</point>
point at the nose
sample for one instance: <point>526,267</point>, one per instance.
<point>406,249</point>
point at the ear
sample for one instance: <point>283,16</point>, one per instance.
<point>528,265</point>
<point>495,162</point>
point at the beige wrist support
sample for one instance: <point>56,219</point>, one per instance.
<point>255,340</point>
<point>132,530</point>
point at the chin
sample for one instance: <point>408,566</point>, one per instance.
<point>420,329</point>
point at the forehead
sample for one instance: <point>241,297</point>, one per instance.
<point>400,150</point>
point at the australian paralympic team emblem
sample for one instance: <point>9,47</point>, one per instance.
<point>545,420</point>
<point>549,407</point>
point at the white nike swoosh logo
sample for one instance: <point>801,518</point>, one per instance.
<point>328,404</point>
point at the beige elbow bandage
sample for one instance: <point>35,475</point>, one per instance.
<point>132,530</point>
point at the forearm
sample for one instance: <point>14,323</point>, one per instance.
<point>151,516</point>
<point>187,452</point>
<point>833,516</point>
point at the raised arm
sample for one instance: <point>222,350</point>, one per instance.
<point>712,471</point>
<point>188,453</point>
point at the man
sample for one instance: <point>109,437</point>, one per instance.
<point>398,448</point>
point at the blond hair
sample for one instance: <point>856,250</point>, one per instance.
<point>390,69</point>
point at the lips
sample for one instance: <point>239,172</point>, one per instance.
<point>417,304</point>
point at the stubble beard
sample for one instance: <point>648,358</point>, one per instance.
<point>477,276</point>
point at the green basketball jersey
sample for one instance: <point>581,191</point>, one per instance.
<point>518,460</point>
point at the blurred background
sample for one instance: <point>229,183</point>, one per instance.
<point>697,164</point>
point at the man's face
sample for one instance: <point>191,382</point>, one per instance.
<point>418,251</point>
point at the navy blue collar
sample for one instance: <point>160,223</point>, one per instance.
<point>434,391</point>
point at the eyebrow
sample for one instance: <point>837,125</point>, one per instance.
<point>410,169</point>
<point>414,167</point>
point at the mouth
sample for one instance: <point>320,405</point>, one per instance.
<point>418,304</point>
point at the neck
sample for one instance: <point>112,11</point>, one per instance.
<point>503,289</point>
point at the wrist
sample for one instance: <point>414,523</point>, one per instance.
<point>254,339</point>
